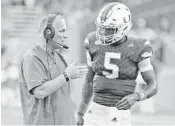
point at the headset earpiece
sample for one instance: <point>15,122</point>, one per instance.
<point>49,31</point>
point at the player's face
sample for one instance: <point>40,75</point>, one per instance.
<point>106,34</point>
<point>60,31</point>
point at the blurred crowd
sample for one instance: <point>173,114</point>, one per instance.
<point>83,13</point>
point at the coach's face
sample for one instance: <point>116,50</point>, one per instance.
<point>60,31</point>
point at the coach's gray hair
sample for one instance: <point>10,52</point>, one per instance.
<point>43,23</point>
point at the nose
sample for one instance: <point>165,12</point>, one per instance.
<point>65,35</point>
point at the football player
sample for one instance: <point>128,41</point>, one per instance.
<point>114,60</point>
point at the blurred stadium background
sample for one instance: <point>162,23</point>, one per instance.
<point>152,19</point>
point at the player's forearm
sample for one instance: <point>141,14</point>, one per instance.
<point>87,93</point>
<point>150,90</point>
<point>49,87</point>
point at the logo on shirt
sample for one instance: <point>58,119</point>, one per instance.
<point>131,45</point>
<point>114,120</point>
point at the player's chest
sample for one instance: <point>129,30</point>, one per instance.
<point>116,54</point>
<point>114,62</point>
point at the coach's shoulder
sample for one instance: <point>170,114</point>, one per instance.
<point>28,56</point>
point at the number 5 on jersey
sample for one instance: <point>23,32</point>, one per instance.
<point>110,66</point>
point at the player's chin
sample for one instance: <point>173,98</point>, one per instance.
<point>106,40</point>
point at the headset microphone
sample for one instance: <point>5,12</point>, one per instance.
<point>49,32</point>
<point>61,44</point>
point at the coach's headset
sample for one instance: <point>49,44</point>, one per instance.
<point>49,31</point>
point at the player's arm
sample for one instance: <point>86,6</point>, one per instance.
<point>151,89</point>
<point>149,77</point>
<point>147,72</point>
<point>87,92</point>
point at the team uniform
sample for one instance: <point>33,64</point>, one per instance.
<point>116,67</point>
<point>116,60</point>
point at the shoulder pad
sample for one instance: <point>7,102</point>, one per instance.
<point>146,50</point>
<point>88,40</point>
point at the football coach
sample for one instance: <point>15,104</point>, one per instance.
<point>45,77</point>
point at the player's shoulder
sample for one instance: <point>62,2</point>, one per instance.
<point>90,39</point>
<point>143,48</point>
<point>139,42</point>
<point>91,36</point>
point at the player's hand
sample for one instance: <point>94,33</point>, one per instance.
<point>80,119</point>
<point>127,102</point>
<point>74,71</point>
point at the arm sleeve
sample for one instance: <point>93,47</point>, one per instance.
<point>145,65</point>
<point>87,48</point>
<point>34,73</point>
<point>89,59</point>
<point>146,51</point>
<point>86,44</point>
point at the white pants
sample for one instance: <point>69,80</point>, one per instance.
<point>99,115</point>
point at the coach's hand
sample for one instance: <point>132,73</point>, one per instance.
<point>80,119</point>
<point>127,102</point>
<point>74,71</point>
